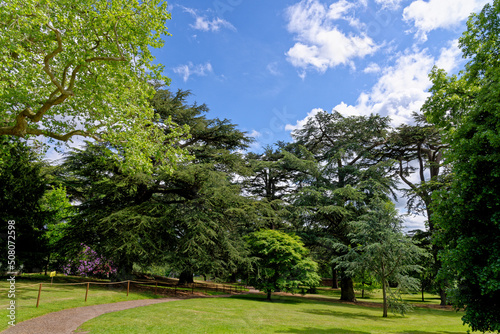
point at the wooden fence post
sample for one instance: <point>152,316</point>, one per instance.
<point>39,292</point>
<point>87,292</point>
<point>128,287</point>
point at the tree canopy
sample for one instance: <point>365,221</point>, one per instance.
<point>84,68</point>
<point>282,262</point>
<point>466,214</point>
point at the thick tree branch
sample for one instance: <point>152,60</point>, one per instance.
<point>405,180</point>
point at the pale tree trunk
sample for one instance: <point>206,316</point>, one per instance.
<point>384,293</point>
<point>335,284</point>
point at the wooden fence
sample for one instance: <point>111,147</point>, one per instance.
<point>165,288</point>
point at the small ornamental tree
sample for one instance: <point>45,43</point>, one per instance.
<point>282,262</point>
<point>89,263</point>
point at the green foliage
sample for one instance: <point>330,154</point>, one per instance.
<point>22,188</point>
<point>381,248</point>
<point>466,214</point>
<point>282,262</point>
<point>193,219</point>
<point>84,68</point>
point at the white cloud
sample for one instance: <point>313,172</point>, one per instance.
<point>389,4</point>
<point>189,69</point>
<point>320,44</point>
<point>255,134</point>
<point>401,88</point>
<point>273,69</point>
<point>300,124</point>
<point>205,24</point>
<point>433,14</point>
<point>372,68</point>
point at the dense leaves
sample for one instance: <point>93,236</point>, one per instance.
<point>467,214</point>
<point>71,68</point>
<point>282,262</point>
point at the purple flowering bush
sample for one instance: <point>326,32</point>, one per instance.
<point>89,263</point>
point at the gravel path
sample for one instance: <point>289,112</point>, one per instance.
<point>67,321</point>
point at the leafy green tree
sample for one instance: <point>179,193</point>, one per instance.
<point>83,68</point>
<point>282,262</point>
<point>56,202</point>
<point>22,188</point>
<point>466,214</point>
<point>381,248</point>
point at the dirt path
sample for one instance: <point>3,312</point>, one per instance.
<point>67,321</point>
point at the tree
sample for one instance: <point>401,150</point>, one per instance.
<point>191,218</point>
<point>418,149</point>
<point>281,262</point>
<point>84,68</point>
<point>466,214</point>
<point>346,150</point>
<point>381,248</point>
<point>22,187</point>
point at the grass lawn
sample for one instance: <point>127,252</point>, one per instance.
<point>57,297</point>
<point>376,296</point>
<point>253,314</point>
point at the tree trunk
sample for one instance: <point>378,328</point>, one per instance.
<point>384,294</point>
<point>186,277</point>
<point>442,294</point>
<point>335,283</point>
<point>269,295</point>
<point>347,289</point>
<point>125,270</point>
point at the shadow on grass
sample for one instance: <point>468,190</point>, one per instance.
<point>338,313</point>
<point>275,299</point>
<point>438,332</point>
<point>312,330</point>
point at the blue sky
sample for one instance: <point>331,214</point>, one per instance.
<point>268,65</point>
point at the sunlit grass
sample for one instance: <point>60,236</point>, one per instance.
<point>58,297</point>
<point>253,314</point>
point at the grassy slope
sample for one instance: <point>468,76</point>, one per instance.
<point>252,314</point>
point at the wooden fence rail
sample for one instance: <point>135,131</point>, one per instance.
<point>154,285</point>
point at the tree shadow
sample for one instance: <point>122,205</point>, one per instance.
<point>274,300</point>
<point>349,315</point>
<point>311,330</point>
<point>438,332</point>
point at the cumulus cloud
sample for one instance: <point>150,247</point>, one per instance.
<point>433,14</point>
<point>203,23</point>
<point>400,90</point>
<point>300,124</point>
<point>190,69</point>
<point>372,68</point>
<point>320,43</point>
